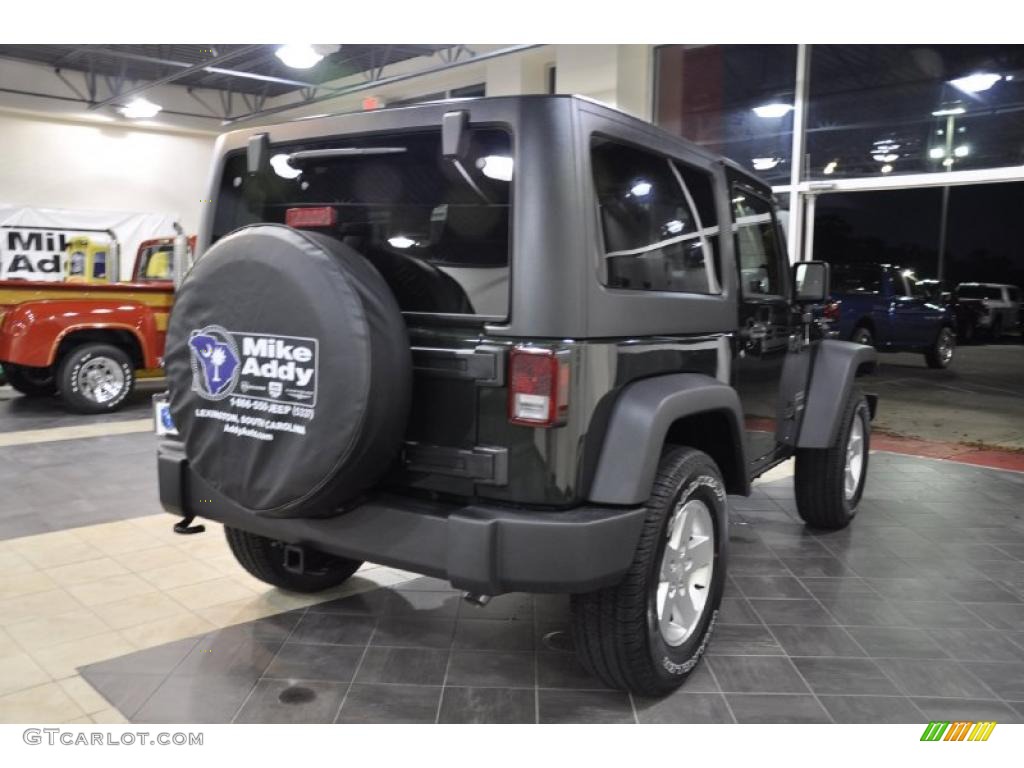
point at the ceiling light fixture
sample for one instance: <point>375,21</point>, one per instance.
<point>936,153</point>
<point>298,56</point>
<point>979,81</point>
<point>641,189</point>
<point>886,169</point>
<point>497,167</point>
<point>282,168</point>
<point>947,111</point>
<point>401,241</point>
<point>830,168</point>
<point>774,109</point>
<point>140,108</point>
<point>962,151</point>
<point>765,163</point>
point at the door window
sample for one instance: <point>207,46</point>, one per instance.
<point>757,245</point>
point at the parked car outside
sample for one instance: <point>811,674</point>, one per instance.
<point>996,306</point>
<point>881,305</point>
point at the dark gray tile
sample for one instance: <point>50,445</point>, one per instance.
<point>743,640</point>
<point>793,612</point>
<point>390,704</point>
<point>584,707</point>
<point>977,645</point>
<point>126,692</point>
<point>563,670</point>
<point>684,707</point>
<point>737,610</point>
<point>300,661</point>
<point>816,641</point>
<point>494,635</point>
<point>978,591</point>
<point>865,611</point>
<point>898,642</point>
<point>872,709</point>
<point>754,708</point>
<point>845,676</point>
<point>999,615</point>
<point>371,603</point>
<point>429,584</point>
<point>770,586</point>
<point>230,651</point>
<point>757,566</point>
<point>414,632</point>
<point>756,674</point>
<point>423,604</point>
<point>816,567</point>
<point>1006,679</point>
<point>488,705</point>
<point>416,666</point>
<point>478,669</point>
<point>191,699</point>
<point>514,606</point>
<point>160,660</point>
<point>967,709</point>
<point>937,615</point>
<point>700,680</point>
<point>286,701</point>
<point>334,628</point>
<point>934,678</point>
<point>550,607</point>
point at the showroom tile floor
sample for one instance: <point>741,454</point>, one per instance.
<point>914,613</point>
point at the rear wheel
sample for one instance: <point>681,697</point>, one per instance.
<point>265,559</point>
<point>940,354</point>
<point>31,382</point>
<point>830,481</point>
<point>862,335</point>
<point>96,378</point>
<point>646,634</point>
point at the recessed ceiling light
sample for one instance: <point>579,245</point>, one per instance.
<point>979,81</point>
<point>886,169</point>
<point>962,151</point>
<point>641,189</point>
<point>947,111</point>
<point>140,108</point>
<point>298,56</point>
<point>936,153</point>
<point>765,163</point>
<point>775,109</point>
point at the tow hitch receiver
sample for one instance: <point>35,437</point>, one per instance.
<point>294,559</point>
<point>185,527</point>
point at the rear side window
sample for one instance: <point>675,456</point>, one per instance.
<point>655,237</point>
<point>757,245</point>
<point>439,232</point>
<point>156,262</point>
<point>848,278</point>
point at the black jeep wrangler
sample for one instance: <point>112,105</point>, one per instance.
<point>521,344</point>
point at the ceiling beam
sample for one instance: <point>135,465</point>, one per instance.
<point>189,69</point>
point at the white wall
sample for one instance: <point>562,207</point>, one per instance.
<point>54,163</point>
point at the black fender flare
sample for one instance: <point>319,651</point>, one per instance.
<point>640,420</point>
<point>836,364</point>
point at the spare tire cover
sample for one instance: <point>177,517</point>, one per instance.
<point>289,371</point>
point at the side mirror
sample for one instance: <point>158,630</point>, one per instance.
<point>811,282</point>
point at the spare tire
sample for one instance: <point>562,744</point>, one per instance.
<point>289,371</point>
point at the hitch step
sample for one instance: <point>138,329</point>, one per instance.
<point>185,527</point>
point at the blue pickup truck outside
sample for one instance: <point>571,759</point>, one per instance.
<point>881,306</point>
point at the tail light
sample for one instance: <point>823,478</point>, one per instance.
<point>831,310</point>
<point>538,394</point>
<point>304,218</point>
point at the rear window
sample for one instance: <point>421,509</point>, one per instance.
<point>848,278</point>
<point>979,292</point>
<point>438,231</point>
<point>156,262</point>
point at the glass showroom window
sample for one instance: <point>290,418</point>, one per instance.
<point>876,110</point>
<point>736,100</point>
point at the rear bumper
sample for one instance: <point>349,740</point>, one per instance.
<point>484,549</point>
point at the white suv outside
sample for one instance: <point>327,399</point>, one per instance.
<point>1001,305</point>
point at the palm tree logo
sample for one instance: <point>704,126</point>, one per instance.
<point>217,358</point>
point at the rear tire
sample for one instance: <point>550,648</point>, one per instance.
<point>862,335</point>
<point>95,378</point>
<point>940,353</point>
<point>647,633</point>
<point>264,559</point>
<point>825,496</point>
<point>31,382</point>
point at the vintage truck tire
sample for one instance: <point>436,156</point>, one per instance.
<point>289,371</point>
<point>31,382</point>
<point>647,633</point>
<point>264,559</point>
<point>95,378</point>
<point>830,481</point>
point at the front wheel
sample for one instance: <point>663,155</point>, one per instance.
<point>646,634</point>
<point>863,335</point>
<point>265,559</point>
<point>940,354</point>
<point>96,378</point>
<point>31,382</point>
<point>830,481</point>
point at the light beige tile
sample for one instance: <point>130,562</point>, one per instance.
<point>25,583</point>
<point>36,606</point>
<point>134,541</point>
<point>165,630</point>
<point>229,614</point>
<point>84,695</point>
<point>12,563</point>
<point>139,609</point>
<point>83,720</point>
<point>35,634</point>
<point>42,540</point>
<point>7,645</point>
<point>149,559</point>
<point>50,554</point>
<point>213,592</point>
<point>94,533</point>
<point>20,671</point>
<point>63,660</point>
<point>111,589</point>
<point>180,574</point>
<point>109,717</point>
<point>226,564</point>
<point>43,704</point>
<point>86,571</point>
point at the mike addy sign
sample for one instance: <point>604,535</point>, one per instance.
<point>274,378</point>
<point>41,254</point>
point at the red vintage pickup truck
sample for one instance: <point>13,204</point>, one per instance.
<point>88,341</point>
